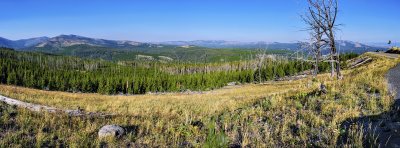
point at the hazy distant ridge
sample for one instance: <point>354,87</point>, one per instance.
<point>70,40</point>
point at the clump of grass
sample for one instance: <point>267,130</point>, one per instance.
<point>215,138</point>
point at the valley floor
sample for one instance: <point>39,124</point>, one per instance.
<point>284,113</point>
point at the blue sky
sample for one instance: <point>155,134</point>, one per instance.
<point>166,20</point>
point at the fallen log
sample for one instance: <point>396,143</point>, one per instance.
<point>40,108</point>
<point>360,62</point>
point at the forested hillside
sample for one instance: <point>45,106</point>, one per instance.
<point>72,74</point>
<point>175,53</point>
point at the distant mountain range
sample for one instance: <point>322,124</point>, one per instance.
<point>84,47</point>
<point>234,44</point>
<point>344,46</point>
<point>71,40</point>
<point>63,41</point>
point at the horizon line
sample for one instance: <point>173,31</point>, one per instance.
<point>243,41</point>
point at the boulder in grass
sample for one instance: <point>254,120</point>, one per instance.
<point>231,83</point>
<point>111,131</point>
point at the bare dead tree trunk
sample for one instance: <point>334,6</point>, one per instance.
<point>261,58</point>
<point>317,57</point>
<point>324,14</point>
<point>332,64</point>
<point>335,56</point>
<point>317,42</point>
<point>318,48</point>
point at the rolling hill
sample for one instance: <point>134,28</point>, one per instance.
<point>23,43</point>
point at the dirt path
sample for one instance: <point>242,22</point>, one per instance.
<point>388,55</point>
<point>393,77</point>
<point>387,127</point>
<point>392,123</point>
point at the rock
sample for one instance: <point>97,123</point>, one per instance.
<point>111,131</point>
<point>231,84</point>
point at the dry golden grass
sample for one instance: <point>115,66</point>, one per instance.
<point>206,103</point>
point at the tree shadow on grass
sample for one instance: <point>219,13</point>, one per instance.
<point>382,130</point>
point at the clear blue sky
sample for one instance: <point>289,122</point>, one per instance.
<point>164,20</point>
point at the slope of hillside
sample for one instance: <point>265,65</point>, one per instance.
<point>275,114</point>
<point>23,43</point>
<point>5,43</point>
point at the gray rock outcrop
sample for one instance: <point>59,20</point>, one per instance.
<point>111,131</point>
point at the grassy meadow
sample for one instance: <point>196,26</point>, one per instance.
<point>273,114</point>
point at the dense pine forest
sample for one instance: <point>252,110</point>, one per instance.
<point>73,74</point>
